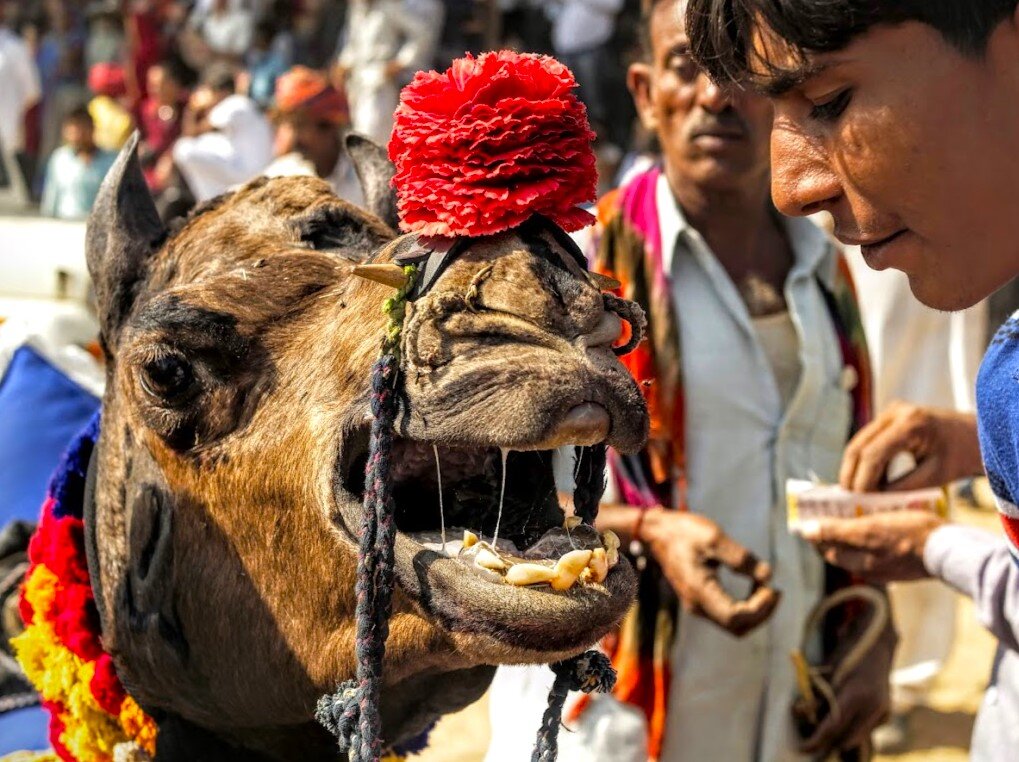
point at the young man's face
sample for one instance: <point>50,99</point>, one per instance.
<point>913,148</point>
<point>715,139</point>
<point>77,134</point>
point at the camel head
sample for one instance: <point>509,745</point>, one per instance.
<point>231,464</point>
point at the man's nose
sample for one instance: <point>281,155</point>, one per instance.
<point>711,97</point>
<point>802,179</point>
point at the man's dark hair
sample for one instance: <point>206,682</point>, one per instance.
<point>78,115</point>
<point>721,31</point>
<point>647,10</point>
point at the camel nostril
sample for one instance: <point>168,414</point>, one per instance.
<point>585,424</point>
<point>606,333</point>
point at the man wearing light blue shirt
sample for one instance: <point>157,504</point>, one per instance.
<point>75,171</point>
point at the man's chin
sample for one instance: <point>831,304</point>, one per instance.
<point>944,294</point>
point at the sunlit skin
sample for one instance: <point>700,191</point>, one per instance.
<point>911,146</point>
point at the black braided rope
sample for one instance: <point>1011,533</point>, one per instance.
<point>589,672</point>
<point>590,486</point>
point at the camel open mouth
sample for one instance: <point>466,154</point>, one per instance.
<point>497,513</point>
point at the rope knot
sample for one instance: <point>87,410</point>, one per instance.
<point>590,672</point>
<point>339,713</point>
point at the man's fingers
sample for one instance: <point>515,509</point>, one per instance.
<point>928,473</point>
<point>856,447</point>
<point>874,458</point>
<point>736,617</point>
<point>740,560</point>
<point>856,561</point>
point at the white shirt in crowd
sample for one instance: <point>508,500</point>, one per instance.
<point>19,91</point>
<point>343,179</point>
<point>237,150</point>
<point>743,444</point>
<point>375,34</point>
<point>228,33</point>
<point>579,25</point>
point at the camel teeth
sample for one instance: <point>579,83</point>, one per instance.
<point>469,538</point>
<point>522,575</point>
<point>598,566</point>
<point>610,540</point>
<point>612,557</point>
<point>486,559</point>
<point>569,567</point>
<point>572,522</point>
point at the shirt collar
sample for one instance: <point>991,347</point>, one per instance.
<point>814,252</point>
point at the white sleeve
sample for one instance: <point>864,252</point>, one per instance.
<point>417,35</point>
<point>28,76</point>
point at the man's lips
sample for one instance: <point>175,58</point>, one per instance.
<point>876,250</point>
<point>719,133</point>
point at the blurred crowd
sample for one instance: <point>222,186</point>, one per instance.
<point>222,91</point>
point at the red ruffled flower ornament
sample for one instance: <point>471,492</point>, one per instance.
<point>489,142</point>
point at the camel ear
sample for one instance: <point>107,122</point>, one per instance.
<point>123,231</point>
<point>375,171</point>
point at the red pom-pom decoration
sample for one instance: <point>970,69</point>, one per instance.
<point>489,142</point>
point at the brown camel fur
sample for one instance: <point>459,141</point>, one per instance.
<point>231,460</point>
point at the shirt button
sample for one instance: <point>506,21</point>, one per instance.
<point>849,379</point>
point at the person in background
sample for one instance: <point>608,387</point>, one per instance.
<point>60,58</point>
<point>226,29</point>
<point>113,121</point>
<point>159,119</point>
<point>226,139</point>
<point>383,39</point>
<point>311,119</point>
<point>270,56</point>
<point>106,41</point>
<point>75,170</point>
<point>756,373</point>
<point>582,32</point>
<point>20,90</point>
<point>146,23</point>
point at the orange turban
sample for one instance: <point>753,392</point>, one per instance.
<point>304,90</point>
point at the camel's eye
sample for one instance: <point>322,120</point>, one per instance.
<point>169,378</point>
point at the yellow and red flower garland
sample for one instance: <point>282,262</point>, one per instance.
<point>61,649</point>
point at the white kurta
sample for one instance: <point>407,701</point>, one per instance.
<point>730,698</point>
<point>377,33</point>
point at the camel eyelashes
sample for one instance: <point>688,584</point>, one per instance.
<point>169,378</point>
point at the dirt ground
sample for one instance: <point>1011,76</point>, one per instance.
<point>941,730</point>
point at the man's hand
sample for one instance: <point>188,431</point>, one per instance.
<point>864,699</point>
<point>690,549</point>
<point>393,69</point>
<point>886,547</point>
<point>944,444</point>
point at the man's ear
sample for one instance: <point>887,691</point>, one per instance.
<point>638,79</point>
